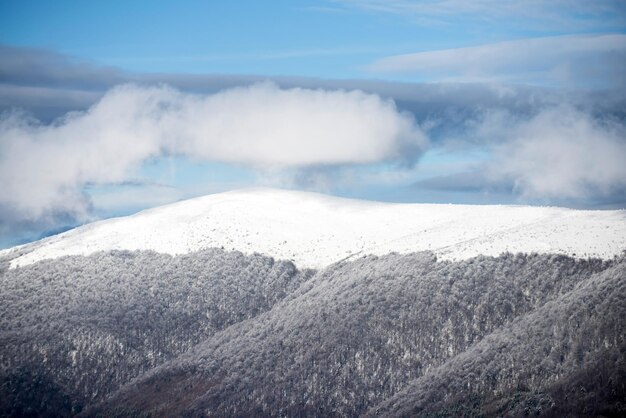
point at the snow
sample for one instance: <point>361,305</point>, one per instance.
<point>316,230</point>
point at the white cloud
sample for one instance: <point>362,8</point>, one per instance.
<point>44,167</point>
<point>561,153</point>
<point>588,61</point>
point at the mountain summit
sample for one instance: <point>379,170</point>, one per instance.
<point>316,230</point>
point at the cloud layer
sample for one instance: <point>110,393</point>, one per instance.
<point>543,145</point>
<point>43,168</point>
<point>571,61</point>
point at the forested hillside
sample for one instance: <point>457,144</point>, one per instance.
<point>223,334</point>
<point>566,358</point>
<point>359,333</point>
<point>74,329</point>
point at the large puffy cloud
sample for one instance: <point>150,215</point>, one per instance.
<point>43,168</point>
<point>266,126</point>
<point>584,60</point>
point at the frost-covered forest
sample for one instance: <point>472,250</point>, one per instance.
<point>223,334</point>
<point>74,329</point>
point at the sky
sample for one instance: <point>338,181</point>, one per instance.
<point>108,108</point>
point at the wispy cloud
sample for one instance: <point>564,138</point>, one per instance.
<point>42,67</point>
<point>558,154</point>
<point>562,153</point>
<point>571,61</point>
<point>256,55</point>
<point>538,14</point>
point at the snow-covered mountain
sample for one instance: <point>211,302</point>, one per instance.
<point>221,333</point>
<point>315,230</point>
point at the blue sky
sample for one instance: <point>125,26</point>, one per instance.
<point>331,39</point>
<point>464,102</point>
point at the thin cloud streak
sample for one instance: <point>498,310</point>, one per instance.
<point>561,15</point>
<point>255,55</point>
<point>569,61</point>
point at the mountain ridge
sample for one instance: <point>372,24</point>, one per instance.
<point>315,230</point>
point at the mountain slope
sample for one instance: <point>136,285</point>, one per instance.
<point>358,333</point>
<point>74,329</point>
<point>566,358</point>
<point>314,230</point>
